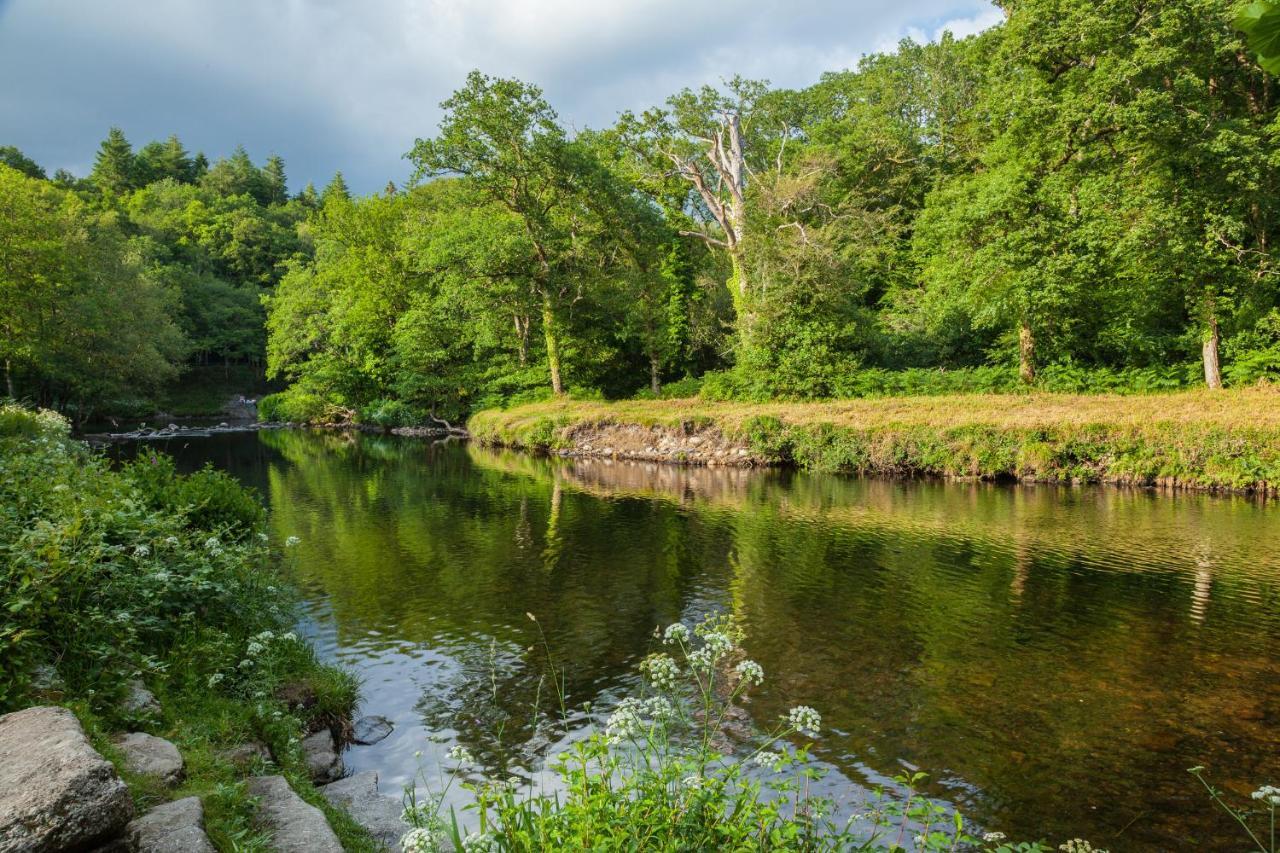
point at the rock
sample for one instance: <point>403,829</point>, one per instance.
<point>56,791</point>
<point>378,813</point>
<point>176,827</point>
<point>323,762</point>
<point>246,754</point>
<point>139,702</point>
<point>296,827</point>
<point>370,730</point>
<point>148,755</point>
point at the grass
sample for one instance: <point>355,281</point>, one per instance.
<point>1191,439</point>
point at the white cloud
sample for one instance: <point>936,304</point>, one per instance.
<point>332,84</point>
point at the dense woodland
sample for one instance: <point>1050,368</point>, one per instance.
<point>1083,197</point>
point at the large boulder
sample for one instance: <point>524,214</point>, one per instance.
<point>296,826</point>
<point>56,791</point>
<point>377,813</point>
<point>148,755</point>
<point>321,753</point>
<point>176,827</point>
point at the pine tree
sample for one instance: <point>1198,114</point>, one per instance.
<point>177,163</point>
<point>391,188</point>
<point>309,197</point>
<point>113,171</point>
<point>199,167</point>
<point>274,180</point>
<point>337,189</point>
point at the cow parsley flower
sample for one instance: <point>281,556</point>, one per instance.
<point>212,544</point>
<point>750,672</point>
<point>292,541</point>
<point>215,679</point>
<point>418,841</point>
<point>675,633</point>
<point>1269,794</point>
<point>993,837</point>
<point>626,721</point>
<point>661,670</point>
<point>142,551</point>
<point>254,649</point>
<point>804,719</point>
<point>461,754</point>
<point>478,842</point>
<point>772,760</point>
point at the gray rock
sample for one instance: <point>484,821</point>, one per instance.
<point>148,755</point>
<point>323,762</point>
<point>176,827</point>
<point>139,702</point>
<point>378,813</point>
<point>296,826</point>
<point>246,754</point>
<point>370,730</point>
<point>56,791</point>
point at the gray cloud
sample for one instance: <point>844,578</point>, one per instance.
<point>330,84</point>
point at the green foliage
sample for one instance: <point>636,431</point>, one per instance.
<point>208,499</point>
<point>1260,21</point>
<point>390,413</point>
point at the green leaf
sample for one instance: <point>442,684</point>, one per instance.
<point>1260,21</point>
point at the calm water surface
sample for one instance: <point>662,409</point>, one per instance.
<point>1054,658</point>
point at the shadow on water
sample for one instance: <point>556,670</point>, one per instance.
<point>1055,658</point>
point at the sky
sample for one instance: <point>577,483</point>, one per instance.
<point>350,84</point>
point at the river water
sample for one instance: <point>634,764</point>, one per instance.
<point>1054,658</point>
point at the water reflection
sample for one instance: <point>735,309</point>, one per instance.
<point>1054,657</point>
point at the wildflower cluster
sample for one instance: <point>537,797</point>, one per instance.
<point>804,719</point>
<point>661,670</point>
<point>1268,794</point>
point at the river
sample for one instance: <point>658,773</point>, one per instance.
<point>1054,658</point>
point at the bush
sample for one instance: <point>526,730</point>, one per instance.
<point>296,405</point>
<point>390,414</point>
<point>208,499</point>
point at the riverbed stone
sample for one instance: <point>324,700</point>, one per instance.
<point>56,791</point>
<point>371,729</point>
<point>323,761</point>
<point>246,754</point>
<point>139,702</point>
<point>176,827</point>
<point>295,825</point>
<point>148,755</point>
<point>376,812</point>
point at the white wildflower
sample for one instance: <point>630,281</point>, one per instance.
<point>625,722</point>
<point>418,841</point>
<point>772,760</point>
<point>478,842</point>
<point>993,836</point>
<point>171,541</point>
<point>461,754</point>
<point>215,679</point>
<point>246,663</point>
<point>750,672</point>
<point>658,708</point>
<point>661,670</point>
<point>804,719</point>
<point>1079,845</point>
<point>254,649</point>
<point>675,633</point>
<point>212,544</point>
<point>693,783</point>
<point>1269,794</point>
<point>265,636</point>
<point>292,541</point>
<point>718,642</point>
<point>702,659</point>
<point>142,551</point>
<point>289,637</point>
<point>262,537</point>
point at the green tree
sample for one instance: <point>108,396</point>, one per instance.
<point>337,189</point>
<point>15,159</point>
<point>113,169</point>
<point>277,185</point>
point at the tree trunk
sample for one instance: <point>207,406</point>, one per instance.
<point>553,346</point>
<point>1026,354</point>
<point>1212,369</point>
<point>8,379</point>
<point>655,383</point>
<point>522,339</point>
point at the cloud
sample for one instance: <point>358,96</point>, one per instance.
<point>330,84</point>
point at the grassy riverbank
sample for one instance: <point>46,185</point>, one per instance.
<point>139,575</point>
<point>1189,439</point>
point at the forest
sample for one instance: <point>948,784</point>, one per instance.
<point>1081,198</point>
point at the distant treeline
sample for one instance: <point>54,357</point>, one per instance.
<point>1086,190</point>
<point>112,284</point>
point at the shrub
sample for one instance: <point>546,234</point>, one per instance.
<point>389,414</point>
<point>208,499</point>
<point>296,405</point>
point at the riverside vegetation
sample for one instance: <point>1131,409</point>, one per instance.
<point>141,574</point>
